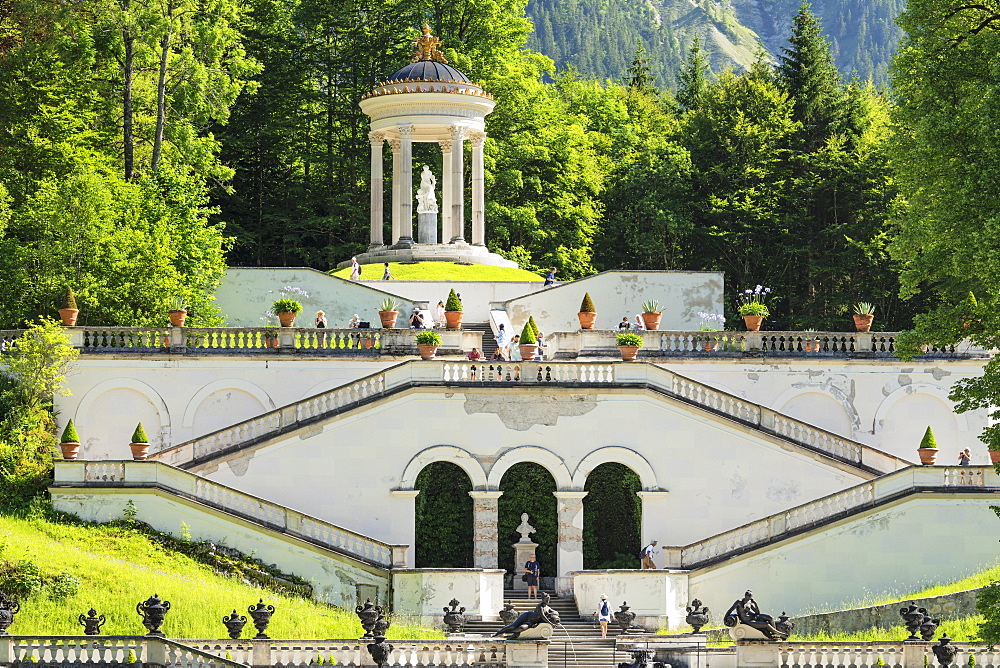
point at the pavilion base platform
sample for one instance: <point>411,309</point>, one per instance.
<point>457,252</point>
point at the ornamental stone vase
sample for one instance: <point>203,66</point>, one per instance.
<point>528,351</point>
<point>453,319</point>
<point>927,455</point>
<point>427,350</point>
<point>454,617</point>
<point>261,615</point>
<point>587,319</point>
<point>624,617</point>
<point>234,624</point>
<point>388,318</point>
<point>629,353</point>
<point>153,611</point>
<point>944,652</point>
<point>70,450</point>
<point>380,651</point>
<point>753,322</point>
<point>68,316</point>
<point>697,616</point>
<point>863,323</point>
<point>177,317</point>
<point>368,614</point>
<point>287,318</point>
<point>508,614</point>
<point>8,608</point>
<point>652,320</point>
<point>91,623</point>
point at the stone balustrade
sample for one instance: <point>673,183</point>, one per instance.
<point>107,650</point>
<point>135,474</point>
<point>825,654</point>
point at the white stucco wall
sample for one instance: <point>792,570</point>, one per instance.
<point>246,294</point>
<point>681,294</point>
<point>884,403</point>
<point>419,596</point>
<point>656,597</point>
<point>316,470</point>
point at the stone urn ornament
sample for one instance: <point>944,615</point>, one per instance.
<point>368,613</point>
<point>91,623</point>
<point>945,652</point>
<point>784,624</point>
<point>624,617</point>
<point>234,624</point>
<point>380,651</point>
<point>697,616</point>
<point>381,626</point>
<point>261,615</point>
<point>454,617</point>
<point>508,614</point>
<point>8,608</point>
<point>913,617</point>
<point>153,611</point>
<point>928,627</point>
<point>641,657</point>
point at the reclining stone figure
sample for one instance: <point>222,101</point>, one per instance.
<point>746,612</point>
<point>529,620</point>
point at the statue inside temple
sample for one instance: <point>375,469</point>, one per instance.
<point>426,201</point>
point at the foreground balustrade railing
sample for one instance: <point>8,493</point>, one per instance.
<point>19,650</point>
<point>833,654</point>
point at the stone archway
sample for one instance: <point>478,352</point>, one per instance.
<point>528,488</point>
<point>612,517</point>
<point>443,517</point>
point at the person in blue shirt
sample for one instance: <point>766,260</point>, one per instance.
<point>386,275</point>
<point>533,573</point>
<point>550,279</point>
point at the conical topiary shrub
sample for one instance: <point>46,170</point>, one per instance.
<point>928,448</point>
<point>69,312</point>
<point>587,314</point>
<point>69,442</point>
<point>534,325</point>
<point>527,335</point>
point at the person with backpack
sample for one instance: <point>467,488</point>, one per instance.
<point>647,556</point>
<point>603,615</point>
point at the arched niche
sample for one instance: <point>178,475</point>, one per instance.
<point>901,420</point>
<point>224,403</point>
<point>527,488</point>
<point>109,412</point>
<point>615,453</point>
<point>612,517</point>
<point>443,453</point>
<point>547,459</point>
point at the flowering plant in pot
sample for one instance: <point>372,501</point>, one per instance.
<point>139,444</point>
<point>652,314</point>
<point>428,342</point>
<point>750,304</point>
<point>69,312</point>
<point>587,314</point>
<point>286,310</point>
<point>928,448</point>
<point>711,322</point>
<point>527,343</point>
<point>628,343</point>
<point>388,311</point>
<point>864,313</point>
<point>178,314</point>
<point>69,442</point>
<point>453,312</point>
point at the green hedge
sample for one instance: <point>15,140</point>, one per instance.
<point>527,488</point>
<point>612,515</point>
<point>443,517</point>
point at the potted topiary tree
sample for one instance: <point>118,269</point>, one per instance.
<point>453,313</point>
<point>528,344</point>
<point>178,314</point>
<point>928,448</point>
<point>864,313</point>
<point>587,314</point>
<point>427,343</point>
<point>651,314</point>
<point>139,444</point>
<point>69,312</point>
<point>388,311</point>
<point>629,344</point>
<point>69,442</point>
<point>534,325</point>
<point>286,310</point>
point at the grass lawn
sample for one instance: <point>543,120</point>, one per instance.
<point>118,567</point>
<point>441,271</point>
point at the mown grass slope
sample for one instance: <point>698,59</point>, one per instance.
<point>118,566</point>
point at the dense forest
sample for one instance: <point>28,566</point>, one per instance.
<point>145,145</point>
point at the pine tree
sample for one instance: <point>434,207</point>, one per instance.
<point>692,79</point>
<point>639,77</point>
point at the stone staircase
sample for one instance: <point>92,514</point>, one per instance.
<point>576,643</point>
<point>489,341</point>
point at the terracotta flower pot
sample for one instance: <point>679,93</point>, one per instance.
<point>629,353</point>
<point>753,322</point>
<point>927,455</point>
<point>711,344</point>
<point>70,450</point>
<point>811,345</point>
<point>652,320</point>
<point>427,350</point>
<point>528,351</point>
<point>388,318</point>
<point>587,319</point>
<point>863,323</point>
<point>177,317</point>
<point>68,316</point>
<point>139,451</point>
<point>287,319</point>
<point>454,319</point>
<point>994,456</point>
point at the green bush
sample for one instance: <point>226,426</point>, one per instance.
<point>139,435</point>
<point>534,325</point>
<point>453,303</point>
<point>62,586</point>
<point>527,335</point>
<point>69,301</point>
<point>629,339</point>
<point>928,441</point>
<point>864,308</point>
<point>286,306</point>
<point>428,338</point>
<point>587,305</point>
<point>69,434</point>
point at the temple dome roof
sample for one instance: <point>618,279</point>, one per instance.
<point>429,70</point>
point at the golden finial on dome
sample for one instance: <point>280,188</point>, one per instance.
<point>426,46</point>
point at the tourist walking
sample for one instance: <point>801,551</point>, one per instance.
<point>550,279</point>
<point>355,269</point>
<point>964,457</point>
<point>439,315</point>
<point>501,339</point>
<point>386,275</point>
<point>604,615</point>
<point>321,324</point>
<point>647,556</point>
<point>532,574</point>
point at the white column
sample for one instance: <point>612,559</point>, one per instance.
<point>655,508</point>
<point>485,517</point>
<point>405,530</point>
<point>445,190</point>
<point>396,145</point>
<point>569,549</point>
<point>477,139</point>
<point>406,185</point>
<point>457,191</point>
<point>376,139</point>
